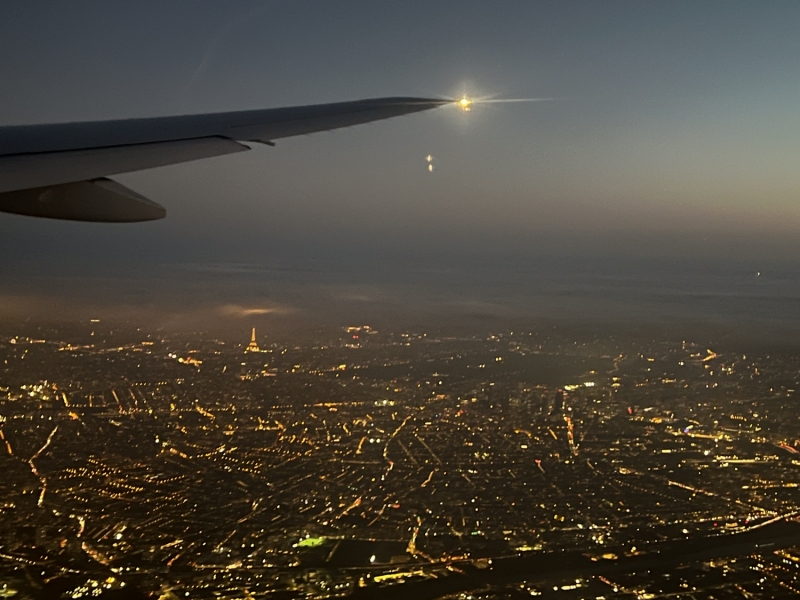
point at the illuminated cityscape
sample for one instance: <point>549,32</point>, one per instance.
<point>377,464</point>
<point>399,300</point>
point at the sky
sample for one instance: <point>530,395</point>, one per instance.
<point>670,140</point>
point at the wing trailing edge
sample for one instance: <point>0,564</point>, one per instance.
<point>23,171</point>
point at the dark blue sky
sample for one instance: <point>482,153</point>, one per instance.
<point>672,121</point>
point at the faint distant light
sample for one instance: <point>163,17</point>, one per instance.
<point>372,558</point>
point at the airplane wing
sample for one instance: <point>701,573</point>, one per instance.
<point>60,170</point>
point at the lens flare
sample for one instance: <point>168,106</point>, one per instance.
<point>466,103</point>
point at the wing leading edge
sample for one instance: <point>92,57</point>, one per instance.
<point>59,170</point>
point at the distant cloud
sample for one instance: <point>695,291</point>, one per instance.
<point>237,311</point>
<point>360,293</point>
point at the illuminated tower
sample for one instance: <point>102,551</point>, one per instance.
<point>253,345</point>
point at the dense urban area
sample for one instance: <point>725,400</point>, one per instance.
<point>377,464</point>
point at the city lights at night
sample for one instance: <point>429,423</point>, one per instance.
<point>399,300</point>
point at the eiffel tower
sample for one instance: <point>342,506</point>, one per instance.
<point>253,345</point>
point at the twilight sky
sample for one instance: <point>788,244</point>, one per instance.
<point>674,130</point>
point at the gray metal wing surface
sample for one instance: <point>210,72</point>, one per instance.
<point>60,170</point>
